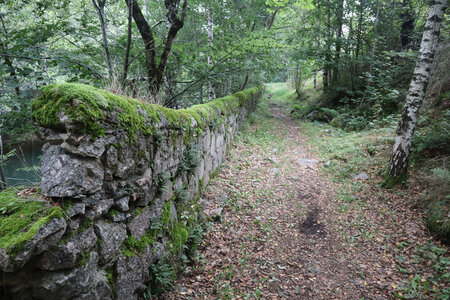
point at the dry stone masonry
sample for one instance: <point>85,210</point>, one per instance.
<point>121,178</point>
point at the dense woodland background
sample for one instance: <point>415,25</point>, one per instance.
<point>359,56</point>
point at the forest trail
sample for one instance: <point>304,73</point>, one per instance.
<point>283,234</point>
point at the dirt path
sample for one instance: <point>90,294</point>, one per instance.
<point>282,234</point>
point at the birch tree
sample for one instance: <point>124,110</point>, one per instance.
<point>400,154</point>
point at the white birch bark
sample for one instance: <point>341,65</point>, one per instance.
<point>400,154</point>
<point>211,93</point>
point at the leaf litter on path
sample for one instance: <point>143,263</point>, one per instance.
<point>284,235</point>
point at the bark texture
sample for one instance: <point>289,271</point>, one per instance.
<point>175,20</point>
<point>400,155</point>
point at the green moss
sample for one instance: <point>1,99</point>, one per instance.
<point>111,276</point>
<point>21,218</point>
<point>166,214</point>
<point>200,186</point>
<point>87,106</point>
<point>113,212</point>
<point>133,247</point>
<point>390,182</point>
<point>128,253</point>
<point>83,258</point>
<point>179,236</point>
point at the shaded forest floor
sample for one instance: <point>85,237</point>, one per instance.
<point>299,223</point>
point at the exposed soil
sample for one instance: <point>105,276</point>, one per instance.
<point>283,234</point>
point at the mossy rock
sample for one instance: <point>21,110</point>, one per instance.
<point>88,109</point>
<point>22,217</point>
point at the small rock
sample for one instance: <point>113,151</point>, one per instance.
<point>65,175</point>
<point>327,164</point>
<point>215,214</point>
<point>65,256</point>
<point>361,176</point>
<point>60,285</point>
<point>327,130</point>
<point>275,170</point>
<point>140,223</point>
<point>224,198</point>
<point>111,236</point>
<point>307,161</point>
<point>122,204</point>
<point>312,115</point>
<point>131,276</point>
<point>120,217</point>
<point>76,209</point>
<point>99,209</point>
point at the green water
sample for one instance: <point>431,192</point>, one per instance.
<point>23,167</point>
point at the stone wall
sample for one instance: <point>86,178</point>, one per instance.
<point>126,177</point>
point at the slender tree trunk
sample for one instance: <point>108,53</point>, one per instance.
<point>327,65</point>
<point>358,37</point>
<point>400,154</point>
<point>127,50</point>
<point>339,16</point>
<point>375,36</point>
<point>100,8</point>
<point>211,93</point>
<point>7,61</point>
<point>407,23</point>
<point>3,183</point>
<point>271,18</point>
<point>315,75</point>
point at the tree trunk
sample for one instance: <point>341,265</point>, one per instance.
<point>100,8</point>
<point>339,16</point>
<point>326,67</point>
<point>127,50</point>
<point>407,23</point>
<point>271,18</point>
<point>359,29</point>
<point>3,183</point>
<point>375,36</point>
<point>211,93</point>
<point>400,154</point>
<point>8,62</point>
<point>315,75</point>
<point>155,72</point>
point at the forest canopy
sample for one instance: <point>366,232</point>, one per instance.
<point>179,53</point>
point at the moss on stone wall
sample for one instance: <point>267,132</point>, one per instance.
<point>21,218</point>
<point>87,108</point>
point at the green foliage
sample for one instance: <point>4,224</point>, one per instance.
<point>179,235</point>
<point>21,218</point>
<point>166,215</point>
<point>427,286</point>
<point>133,247</point>
<point>435,137</point>
<point>190,160</point>
<point>162,180</point>
<point>437,204</point>
<point>181,194</point>
<point>163,276</point>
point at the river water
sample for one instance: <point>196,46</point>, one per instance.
<point>23,167</point>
